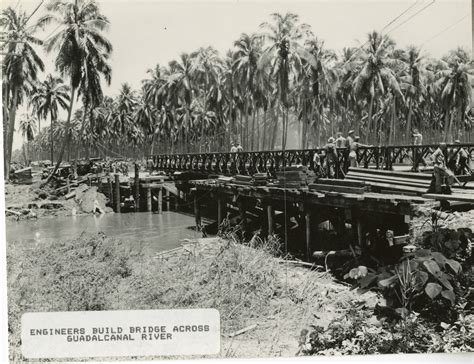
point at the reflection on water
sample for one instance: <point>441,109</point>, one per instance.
<point>151,232</point>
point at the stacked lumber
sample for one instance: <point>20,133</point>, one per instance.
<point>295,177</point>
<point>391,181</point>
<point>339,185</point>
<point>260,179</point>
<point>225,180</point>
<point>242,180</point>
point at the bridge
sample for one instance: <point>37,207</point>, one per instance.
<point>248,163</point>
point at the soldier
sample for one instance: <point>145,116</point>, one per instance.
<point>353,151</point>
<point>340,140</point>
<point>347,153</point>
<point>440,170</point>
<point>234,148</point>
<point>331,158</point>
<point>462,161</point>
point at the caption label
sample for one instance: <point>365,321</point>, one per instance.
<point>84,334</point>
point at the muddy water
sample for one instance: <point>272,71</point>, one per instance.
<point>150,232</point>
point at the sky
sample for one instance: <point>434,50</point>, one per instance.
<point>149,32</point>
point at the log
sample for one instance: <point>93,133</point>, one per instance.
<point>338,253</point>
<point>241,331</point>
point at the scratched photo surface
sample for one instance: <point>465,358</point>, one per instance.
<point>303,168</point>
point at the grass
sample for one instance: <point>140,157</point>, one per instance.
<point>246,283</point>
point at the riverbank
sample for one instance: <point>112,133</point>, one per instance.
<point>36,201</point>
<point>269,307</point>
<point>249,287</point>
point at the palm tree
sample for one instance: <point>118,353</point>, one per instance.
<point>20,69</point>
<point>375,76</point>
<point>322,81</point>
<point>456,88</point>
<point>28,131</point>
<point>123,121</point>
<point>285,53</point>
<point>412,81</point>
<point>248,50</point>
<point>81,48</point>
<point>50,96</point>
<point>207,68</point>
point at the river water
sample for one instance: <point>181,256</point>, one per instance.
<point>149,232</point>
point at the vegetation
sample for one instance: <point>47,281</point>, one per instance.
<point>278,87</point>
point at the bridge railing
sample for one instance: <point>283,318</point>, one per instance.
<point>248,163</point>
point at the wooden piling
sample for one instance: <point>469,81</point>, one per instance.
<point>168,202</point>
<point>176,202</point>
<point>270,218</point>
<point>309,247</point>
<point>111,190</point>
<point>148,199</point>
<point>117,192</point>
<point>243,222</point>
<point>68,184</point>
<point>136,196</point>
<point>197,212</point>
<point>160,200</point>
<point>219,211</point>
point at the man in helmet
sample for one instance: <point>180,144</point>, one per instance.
<point>330,159</point>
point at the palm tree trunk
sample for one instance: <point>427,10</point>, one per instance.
<point>275,128</point>
<point>252,133</point>
<point>447,122</point>
<point>66,141</point>
<point>11,130</point>
<point>52,138</point>
<point>369,118</point>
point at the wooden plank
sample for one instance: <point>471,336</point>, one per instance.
<point>335,188</point>
<point>453,197</point>
<point>394,183</point>
<point>340,182</point>
<point>387,178</point>
<point>388,186</point>
<point>383,172</point>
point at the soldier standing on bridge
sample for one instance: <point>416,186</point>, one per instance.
<point>353,151</point>
<point>440,170</point>
<point>348,143</point>
<point>462,161</point>
<point>340,140</point>
<point>331,158</point>
<point>417,140</point>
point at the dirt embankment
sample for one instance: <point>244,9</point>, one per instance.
<point>33,201</point>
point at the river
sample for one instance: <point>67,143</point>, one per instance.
<point>150,232</point>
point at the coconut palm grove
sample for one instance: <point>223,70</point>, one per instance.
<point>320,200</point>
<point>276,87</point>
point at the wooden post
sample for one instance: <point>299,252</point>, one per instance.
<point>117,192</point>
<point>168,202</point>
<point>359,228</point>
<point>309,247</point>
<point>219,211</point>
<point>197,212</point>
<point>68,185</point>
<point>160,200</point>
<point>148,199</point>
<point>176,201</point>
<point>111,190</point>
<point>241,207</point>
<point>270,217</point>
<point>136,196</point>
